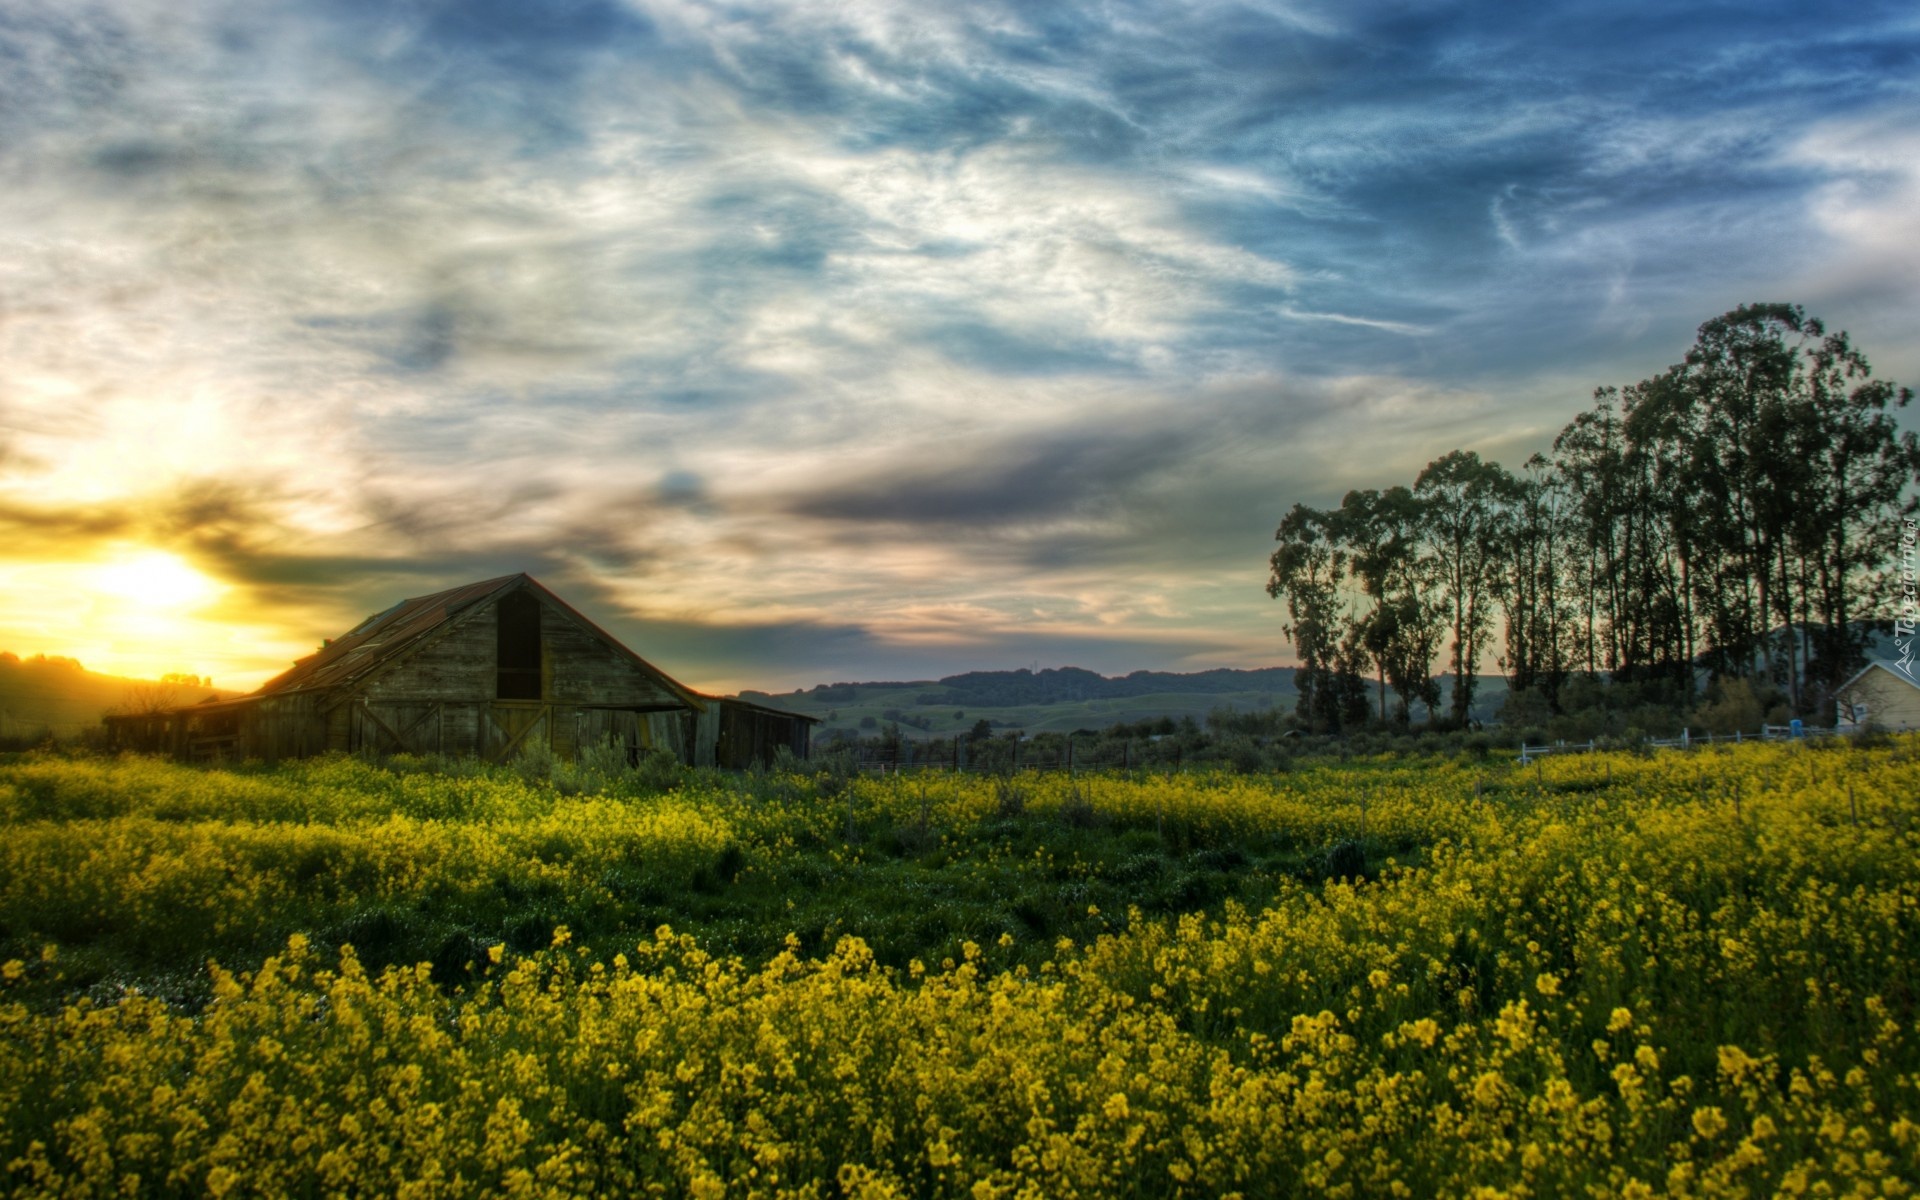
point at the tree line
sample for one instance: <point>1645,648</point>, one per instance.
<point>1735,515</point>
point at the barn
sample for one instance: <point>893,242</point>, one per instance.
<point>489,670</point>
<point>1881,694</point>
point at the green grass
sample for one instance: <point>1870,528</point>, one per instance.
<point>126,865</point>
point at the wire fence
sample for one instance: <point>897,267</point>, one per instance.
<point>1687,741</point>
<point>999,758</point>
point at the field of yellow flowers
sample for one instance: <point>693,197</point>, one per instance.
<point>1605,975</point>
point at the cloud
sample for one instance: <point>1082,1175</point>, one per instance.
<point>1064,474</point>
<point>1866,210</point>
<point>875,329</point>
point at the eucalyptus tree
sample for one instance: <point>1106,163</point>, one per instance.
<point>1462,522</point>
<point>1383,533</point>
<point>1733,404</point>
<point>1530,583</point>
<point>1590,455</point>
<point>1308,569</point>
<point>1655,520</point>
<point>1672,514</point>
<point>1861,470</point>
<point>1732,512</point>
<point>1780,471</point>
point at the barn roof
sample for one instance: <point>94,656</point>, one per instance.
<point>391,634</point>
<point>381,638</point>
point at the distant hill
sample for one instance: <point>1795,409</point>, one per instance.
<point>57,695</point>
<point>1058,699</point>
<point>1064,699</point>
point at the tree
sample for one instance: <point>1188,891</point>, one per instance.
<point>1861,466</point>
<point>1667,548</point>
<point>145,699</point>
<point>1590,455</point>
<point>1307,570</point>
<point>1732,401</point>
<point>1528,583</point>
<point>1382,532</point>
<point>1734,512</point>
<point>1462,518</point>
<point>1780,472</point>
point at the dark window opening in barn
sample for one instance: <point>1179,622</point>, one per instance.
<point>519,647</point>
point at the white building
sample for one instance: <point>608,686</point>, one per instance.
<point>1881,694</point>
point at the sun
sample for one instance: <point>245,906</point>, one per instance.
<point>154,579</point>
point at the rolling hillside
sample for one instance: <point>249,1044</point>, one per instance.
<point>1056,700</point>
<point>55,695</point>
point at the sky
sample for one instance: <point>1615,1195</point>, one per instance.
<point>807,341</point>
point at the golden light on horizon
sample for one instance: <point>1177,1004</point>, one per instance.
<point>138,611</point>
<point>155,580</point>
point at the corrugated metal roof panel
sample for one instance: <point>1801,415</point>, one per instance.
<point>381,637</point>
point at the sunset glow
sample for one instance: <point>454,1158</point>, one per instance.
<point>141,613</point>
<point>154,582</point>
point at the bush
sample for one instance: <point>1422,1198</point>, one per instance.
<point>1732,707</point>
<point>659,771</point>
<point>535,764</point>
<point>1076,809</point>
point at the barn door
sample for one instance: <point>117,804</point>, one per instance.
<point>512,728</point>
<point>397,727</point>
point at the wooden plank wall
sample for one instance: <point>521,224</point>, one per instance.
<point>277,727</point>
<point>582,668</point>
<point>748,737</point>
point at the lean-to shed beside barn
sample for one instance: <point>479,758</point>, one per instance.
<point>490,670</point>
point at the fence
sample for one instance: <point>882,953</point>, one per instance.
<point>1686,740</point>
<point>1002,757</point>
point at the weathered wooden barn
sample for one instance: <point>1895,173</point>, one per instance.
<point>491,670</point>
